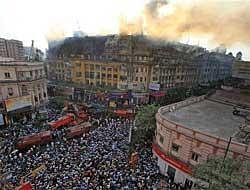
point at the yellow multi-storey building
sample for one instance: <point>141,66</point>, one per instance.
<point>94,72</point>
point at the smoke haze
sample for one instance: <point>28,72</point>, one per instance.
<point>225,22</point>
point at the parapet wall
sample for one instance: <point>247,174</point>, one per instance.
<point>217,144</point>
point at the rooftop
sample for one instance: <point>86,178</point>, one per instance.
<point>209,117</point>
<point>19,63</point>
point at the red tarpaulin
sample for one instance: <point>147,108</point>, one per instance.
<point>176,163</point>
<point>158,94</point>
<point>25,186</point>
<point>123,113</point>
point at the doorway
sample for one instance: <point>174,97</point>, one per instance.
<point>171,173</point>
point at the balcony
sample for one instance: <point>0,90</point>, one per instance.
<point>29,79</point>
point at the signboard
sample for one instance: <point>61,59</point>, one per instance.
<point>154,86</point>
<point>17,103</point>
<point>1,119</point>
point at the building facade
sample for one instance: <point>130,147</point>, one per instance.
<point>214,66</point>
<point>192,131</point>
<point>173,69</point>
<point>12,49</point>
<point>140,62</point>
<point>241,70</point>
<point>23,86</point>
<point>60,70</point>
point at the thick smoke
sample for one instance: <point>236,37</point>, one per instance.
<point>55,34</point>
<point>225,22</point>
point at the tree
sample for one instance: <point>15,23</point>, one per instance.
<point>145,125</point>
<point>229,174</point>
<point>58,102</point>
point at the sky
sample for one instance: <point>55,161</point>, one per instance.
<point>39,20</point>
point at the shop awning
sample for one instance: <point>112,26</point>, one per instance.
<point>118,95</point>
<point>21,110</point>
<point>176,163</point>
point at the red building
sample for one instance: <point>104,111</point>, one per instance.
<point>191,131</point>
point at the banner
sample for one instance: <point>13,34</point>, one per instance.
<point>1,119</point>
<point>17,103</point>
<point>154,86</point>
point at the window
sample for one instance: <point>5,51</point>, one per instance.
<point>91,67</point>
<point>24,90</point>
<point>10,91</point>
<point>195,156</point>
<point>78,74</point>
<point>175,147</point>
<point>141,79</point>
<point>136,79</point>
<point>92,75</point>
<point>98,75</point>
<point>161,139</point>
<point>97,67</point>
<point>155,78</point>
<point>7,75</point>
<point>115,76</point>
<point>87,74</point>
<point>109,76</point>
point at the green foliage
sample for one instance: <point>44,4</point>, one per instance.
<point>145,124</point>
<point>58,102</point>
<point>231,174</point>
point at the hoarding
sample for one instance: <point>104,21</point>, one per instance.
<point>17,103</point>
<point>154,86</point>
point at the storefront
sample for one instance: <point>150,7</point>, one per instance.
<point>157,97</point>
<point>119,99</point>
<point>19,108</point>
<point>2,114</point>
<point>177,171</point>
<point>139,98</point>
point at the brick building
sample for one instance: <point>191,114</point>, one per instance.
<point>194,130</point>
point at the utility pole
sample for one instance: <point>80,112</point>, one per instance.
<point>228,145</point>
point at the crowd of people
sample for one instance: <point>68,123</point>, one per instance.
<point>98,160</point>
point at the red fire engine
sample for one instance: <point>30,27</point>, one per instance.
<point>34,139</point>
